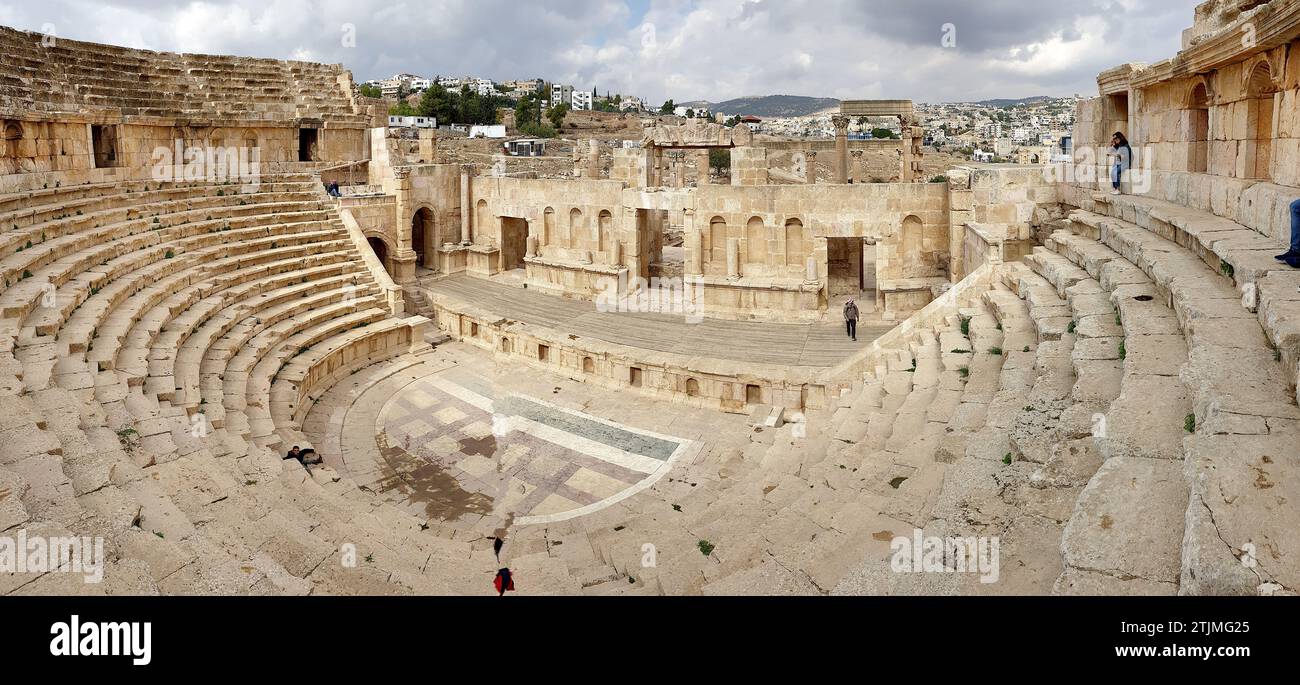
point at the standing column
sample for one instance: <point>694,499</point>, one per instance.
<point>702,167</point>
<point>859,170</point>
<point>810,167</point>
<point>733,258</point>
<point>694,244</point>
<point>841,124</point>
<point>466,211</point>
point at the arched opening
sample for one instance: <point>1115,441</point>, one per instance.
<point>1258,146</point>
<point>381,252</point>
<point>755,242</point>
<point>794,243</point>
<point>911,247</point>
<point>604,229</point>
<point>575,227</point>
<point>692,387</point>
<point>1198,130</point>
<point>13,136</point>
<point>506,346</point>
<point>482,219</point>
<point>548,226</point>
<point>588,365</point>
<point>421,234</point>
<point>718,238</point>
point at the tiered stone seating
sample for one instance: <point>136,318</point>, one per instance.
<point>102,432</point>
<point>68,75</point>
<point>1236,387</point>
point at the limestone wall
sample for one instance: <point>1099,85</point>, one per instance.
<point>1221,138</point>
<point>573,220</point>
<point>779,227</point>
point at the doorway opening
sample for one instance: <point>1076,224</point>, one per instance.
<point>844,257</point>
<point>308,144</point>
<point>514,243</point>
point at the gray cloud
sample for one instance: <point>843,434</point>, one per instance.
<point>684,49</point>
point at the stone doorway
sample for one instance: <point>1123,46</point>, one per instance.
<point>308,139</point>
<point>421,230</point>
<point>381,252</point>
<point>845,267</point>
<point>514,243</point>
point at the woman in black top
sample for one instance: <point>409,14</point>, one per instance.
<point>1123,160</point>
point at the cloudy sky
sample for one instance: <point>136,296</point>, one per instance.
<point>683,49</point>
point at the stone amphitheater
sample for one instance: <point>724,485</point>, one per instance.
<point>1103,384</point>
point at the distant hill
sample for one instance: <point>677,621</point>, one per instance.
<point>769,106</point>
<point>1007,102</point>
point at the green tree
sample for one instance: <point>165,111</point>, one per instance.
<point>668,107</point>
<point>883,133</point>
<point>528,111</point>
<point>557,113</point>
<point>370,91</point>
<point>720,158</point>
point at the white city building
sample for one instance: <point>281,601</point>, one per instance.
<point>582,101</point>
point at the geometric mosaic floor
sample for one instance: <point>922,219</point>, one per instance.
<point>451,438</point>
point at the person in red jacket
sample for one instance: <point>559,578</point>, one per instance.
<point>504,582</point>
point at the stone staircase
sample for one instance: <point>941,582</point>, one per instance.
<point>68,75</point>
<point>160,344</point>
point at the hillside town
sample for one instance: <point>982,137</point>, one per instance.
<point>1035,130</point>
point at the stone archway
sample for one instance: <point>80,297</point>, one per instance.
<point>422,233</point>
<point>380,248</point>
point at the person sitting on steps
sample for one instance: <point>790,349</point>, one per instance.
<point>305,457</point>
<point>1292,256</point>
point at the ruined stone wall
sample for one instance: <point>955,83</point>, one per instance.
<point>574,220</point>
<point>62,96</point>
<point>1224,140</point>
<point>789,220</point>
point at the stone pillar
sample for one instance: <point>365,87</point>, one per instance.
<point>733,258</point>
<point>810,167</point>
<point>810,270</point>
<point>531,247</point>
<point>841,124</point>
<point>616,253</point>
<point>404,257</point>
<point>593,160</point>
<point>693,262</point>
<point>679,169</point>
<point>859,166</point>
<point>466,209</point>
<point>428,146</point>
<point>657,167</point>
<point>702,166</point>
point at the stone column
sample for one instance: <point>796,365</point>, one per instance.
<point>679,169</point>
<point>693,264</point>
<point>841,124</point>
<point>592,170</point>
<point>531,244</point>
<point>733,258</point>
<point>859,166</point>
<point>428,146</point>
<point>466,210</point>
<point>702,167</point>
<point>404,257</point>
<point>810,167</point>
<point>657,167</point>
<point>810,270</point>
